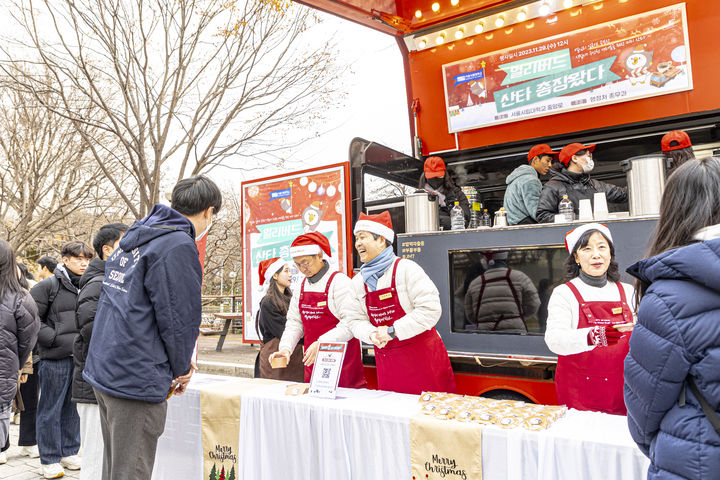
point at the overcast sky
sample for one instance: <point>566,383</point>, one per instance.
<point>375,108</point>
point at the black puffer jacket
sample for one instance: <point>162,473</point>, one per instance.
<point>57,328</point>
<point>19,325</point>
<point>577,186</point>
<point>87,302</point>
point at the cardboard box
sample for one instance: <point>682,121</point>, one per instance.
<point>278,362</point>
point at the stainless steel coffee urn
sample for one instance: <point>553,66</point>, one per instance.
<point>421,212</point>
<point>646,183</point>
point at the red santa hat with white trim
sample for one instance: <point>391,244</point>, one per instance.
<point>379,224</point>
<point>310,244</point>
<point>268,268</point>
<point>573,236</point>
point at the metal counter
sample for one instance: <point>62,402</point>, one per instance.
<point>432,250</point>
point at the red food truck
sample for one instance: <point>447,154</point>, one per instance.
<point>485,81</point>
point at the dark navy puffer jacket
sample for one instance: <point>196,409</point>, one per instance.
<point>678,334</point>
<point>148,313</point>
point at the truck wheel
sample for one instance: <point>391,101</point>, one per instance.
<point>506,395</point>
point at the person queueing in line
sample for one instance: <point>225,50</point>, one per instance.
<point>571,177</point>
<point>317,307</point>
<point>436,179</point>
<point>672,373</point>
<point>589,323</point>
<point>677,147</point>
<point>524,186</point>
<point>275,281</point>
<point>402,305</point>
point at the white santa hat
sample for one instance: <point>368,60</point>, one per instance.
<point>380,224</point>
<point>310,244</point>
<point>572,237</point>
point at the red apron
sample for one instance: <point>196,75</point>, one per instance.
<point>317,319</point>
<point>415,365</point>
<point>593,380</point>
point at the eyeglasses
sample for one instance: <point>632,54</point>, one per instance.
<point>303,265</point>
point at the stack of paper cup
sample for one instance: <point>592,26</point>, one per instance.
<point>585,210</point>
<point>601,208</point>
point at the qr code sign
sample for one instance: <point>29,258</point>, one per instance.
<point>326,373</point>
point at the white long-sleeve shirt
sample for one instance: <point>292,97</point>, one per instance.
<point>418,297</point>
<point>562,334</point>
<point>339,294</point>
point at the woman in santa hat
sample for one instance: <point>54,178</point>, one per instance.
<point>402,305</point>
<point>275,287</point>
<point>318,307</point>
<point>589,323</point>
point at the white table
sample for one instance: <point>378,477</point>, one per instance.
<point>364,434</point>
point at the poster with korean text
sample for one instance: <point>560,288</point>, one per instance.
<point>634,57</point>
<point>278,209</point>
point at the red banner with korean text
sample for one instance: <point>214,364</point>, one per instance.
<point>634,57</point>
<point>278,209</point>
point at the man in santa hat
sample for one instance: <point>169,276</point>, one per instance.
<point>318,307</point>
<point>401,306</point>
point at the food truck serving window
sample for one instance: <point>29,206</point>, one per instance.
<point>504,291</point>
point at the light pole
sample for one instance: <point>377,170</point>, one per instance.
<point>233,275</point>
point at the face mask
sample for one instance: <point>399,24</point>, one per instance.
<point>588,167</point>
<point>436,182</point>
<point>200,237</point>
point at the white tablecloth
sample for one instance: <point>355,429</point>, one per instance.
<point>364,434</point>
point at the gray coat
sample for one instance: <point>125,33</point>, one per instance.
<point>508,298</point>
<point>19,325</point>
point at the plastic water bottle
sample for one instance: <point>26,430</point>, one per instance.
<point>457,219</point>
<point>566,207</point>
<point>485,220</point>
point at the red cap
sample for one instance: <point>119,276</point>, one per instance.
<point>379,224</point>
<point>269,267</point>
<point>310,244</point>
<point>568,151</point>
<point>542,149</point>
<point>678,137</point>
<point>434,167</point>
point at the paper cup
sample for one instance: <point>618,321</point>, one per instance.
<point>585,210</point>
<point>601,209</point>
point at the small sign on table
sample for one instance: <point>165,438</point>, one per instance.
<point>326,372</point>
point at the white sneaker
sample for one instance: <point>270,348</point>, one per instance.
<point>3,458</point>
<point>31,452</point>
<point>52,470</point>
<point>72,462</point>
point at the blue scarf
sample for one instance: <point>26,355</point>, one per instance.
<point>374,269</point>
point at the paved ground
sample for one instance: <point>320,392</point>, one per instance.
<point>236,359</point>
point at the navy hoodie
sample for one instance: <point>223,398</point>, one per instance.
<point>148,315</point>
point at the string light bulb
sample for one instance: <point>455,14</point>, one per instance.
<point>567,3</point>
<point>522,15</point>
<point>418,13</point>
<point>422,43</point>
<point>460,33</point>
<point>499,21</point>
<point>435,7</point>
<point>544,9</point>
<point>454,3</point>
<point>440,39</point>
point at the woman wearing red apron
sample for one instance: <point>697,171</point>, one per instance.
<point>316,308</point>
<point>403,306</point>
<point>590,323</point>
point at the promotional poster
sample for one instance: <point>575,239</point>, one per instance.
<point>278,209</point>
<point>634,57</point>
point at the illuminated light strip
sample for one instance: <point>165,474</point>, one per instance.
<point>500,20</point>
